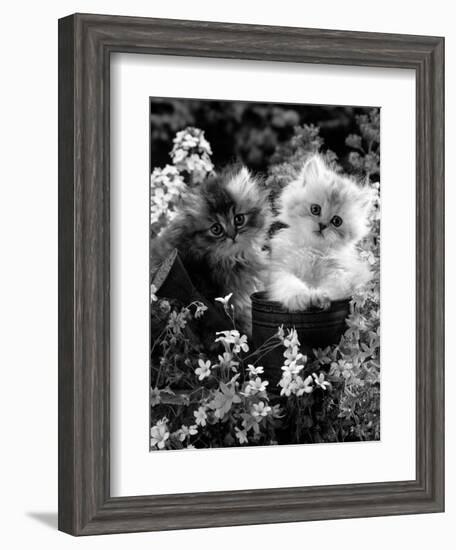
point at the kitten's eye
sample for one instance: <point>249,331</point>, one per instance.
<point>336,221</point>
<point>239,220</point>
<point>315,209</point>
<point>216,229</point>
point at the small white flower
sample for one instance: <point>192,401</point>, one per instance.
<point>200,309</point>
<point>228,336</point>
<point>289,384</point>
<point>293,384</point>
<point>240,343</point>
<point>287,387</point>
<point>292,368</point>
<point>224,300</point>
<point>304,386</point>
<point>241,435</point>
<point>233,337</point>
<point>341,368</point>
<point>226,361</point>
<point>159,434</point>
<point>292,354</point>
<point>179,156</point>
<point>187,431</point>
<point>320,381</point>
<point>292,339</point>
<point>166,186</point>
<point>176,322</point>
<point>200,416</point>
<point>260,410</point>
<point>254,371</point>
<point>255,386</point>
<point>153,293</point>
<point>204,369</point>
<point>191,153</point>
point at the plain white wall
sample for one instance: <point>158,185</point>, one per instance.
<point>28,272</point>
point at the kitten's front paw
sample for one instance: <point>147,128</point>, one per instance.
<point>320,299</point>
<point>298,301</point>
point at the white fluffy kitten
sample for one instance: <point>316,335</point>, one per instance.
<point>314,260</point>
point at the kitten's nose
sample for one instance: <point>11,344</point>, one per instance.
<point>322,226</point>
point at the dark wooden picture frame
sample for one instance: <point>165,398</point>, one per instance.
<point>85,45</point>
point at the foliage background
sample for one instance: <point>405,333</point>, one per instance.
<point>248,132</point>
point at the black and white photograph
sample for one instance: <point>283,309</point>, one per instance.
<point>224,255</point>
<point>264,274</point>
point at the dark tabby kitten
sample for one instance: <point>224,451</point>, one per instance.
<point>219,233</point>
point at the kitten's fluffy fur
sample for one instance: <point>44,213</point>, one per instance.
<point>314,260</point>
<point>221,251</point>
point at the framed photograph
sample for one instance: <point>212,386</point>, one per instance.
<point>251,274</point>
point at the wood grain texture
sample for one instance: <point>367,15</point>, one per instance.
<point>66,276</point>
<point>85,45</point>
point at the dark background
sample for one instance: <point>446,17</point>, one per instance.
<point>248,132</point>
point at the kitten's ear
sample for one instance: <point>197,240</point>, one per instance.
<point>245,179</point>
<point>244,188</point>
<point>313,169</point>
<point>244,173</point>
